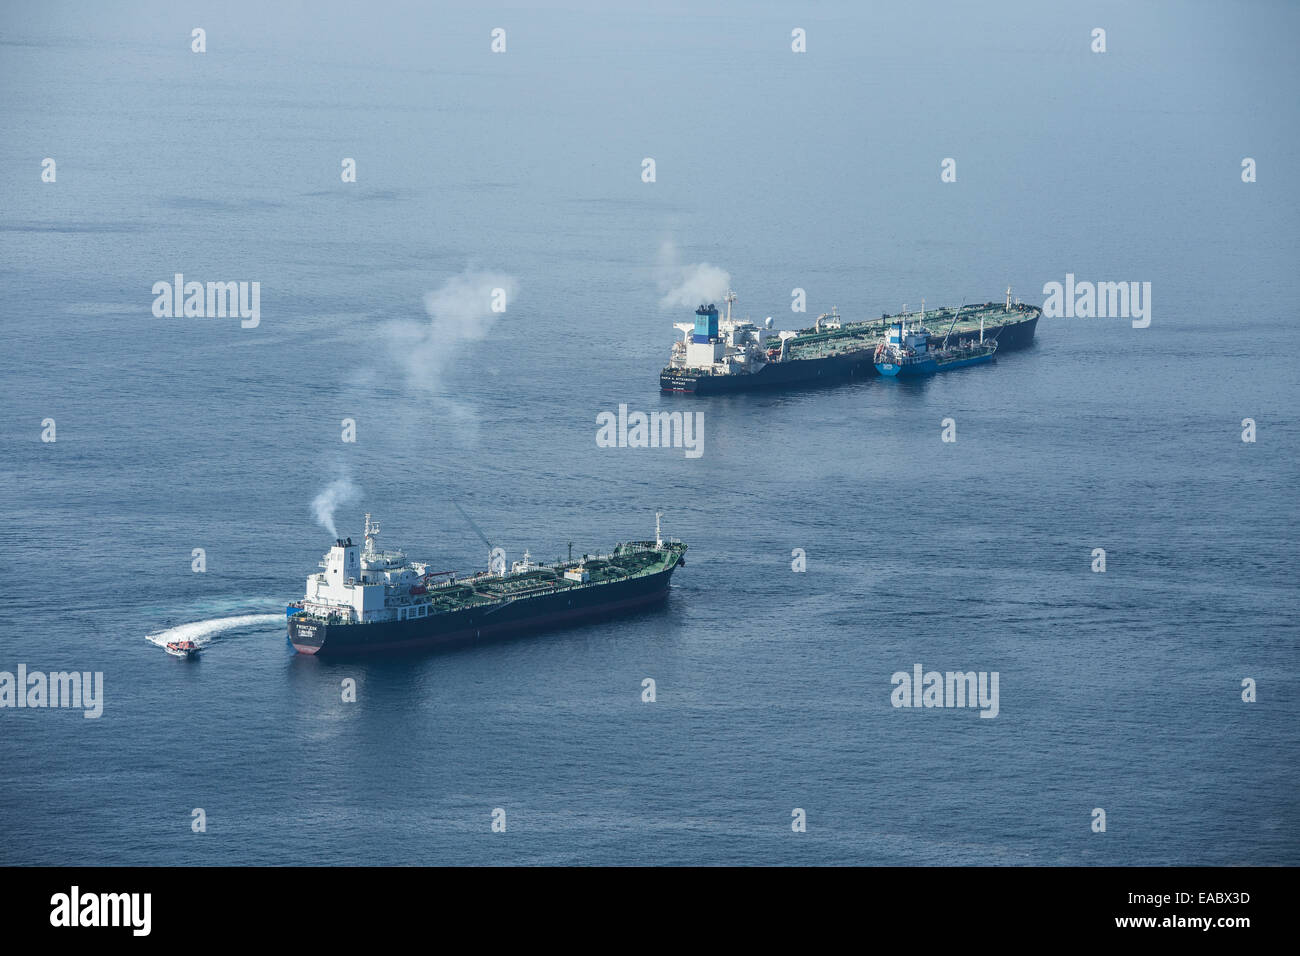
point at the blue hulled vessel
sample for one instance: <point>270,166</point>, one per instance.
<point>907,352</point>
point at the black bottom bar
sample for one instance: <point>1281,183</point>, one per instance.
<point>930,907</point>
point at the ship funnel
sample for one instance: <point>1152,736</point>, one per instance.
<point>706,324</point>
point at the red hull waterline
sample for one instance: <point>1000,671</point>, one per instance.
<point>489,631</point>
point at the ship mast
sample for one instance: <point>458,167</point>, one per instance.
<point>371,532</point>
<point>659,541</point>
<point>1008,308</point>
<point>730,298</point>
<point>955,317</point>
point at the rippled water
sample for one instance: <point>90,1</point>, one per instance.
<point>1119,690</point>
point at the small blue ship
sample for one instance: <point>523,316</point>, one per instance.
<point>907,352</point>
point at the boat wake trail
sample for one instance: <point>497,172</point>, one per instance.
<point>202,632</point>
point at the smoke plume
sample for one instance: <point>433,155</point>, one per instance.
<point>327,502</point>
<point>686,286</point>
<point>463,309</point>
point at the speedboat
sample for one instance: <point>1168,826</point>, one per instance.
<point>182,648</point>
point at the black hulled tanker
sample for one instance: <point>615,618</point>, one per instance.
<point>370,600</point>
<point>716,356</point>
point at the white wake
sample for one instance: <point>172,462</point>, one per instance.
<point>202,632</point>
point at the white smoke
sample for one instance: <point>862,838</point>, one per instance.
<point>328,501</point>
<point>463,309</point>
<point>686,286</point>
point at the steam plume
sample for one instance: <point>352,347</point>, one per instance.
<point>461,310</point>
<point>328,501</point>
<point>686,286</point>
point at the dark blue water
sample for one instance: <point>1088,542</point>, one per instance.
<point>818,171</point>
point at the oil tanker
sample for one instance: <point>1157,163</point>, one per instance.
<point>364,599</point>
<point>717,355</point>
<point>911,352</point>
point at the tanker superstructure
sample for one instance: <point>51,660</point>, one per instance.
<point>719,355</point>
<point>367,600</point>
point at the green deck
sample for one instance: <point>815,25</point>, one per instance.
<point>629,560</point>
<point>857,336</point>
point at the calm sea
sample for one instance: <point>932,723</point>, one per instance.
<point>818,171</point>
